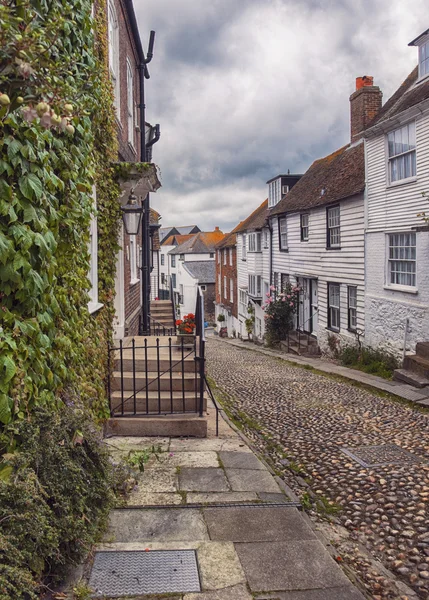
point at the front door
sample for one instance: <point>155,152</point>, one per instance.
<point>314,306</point>
<point>305,304</point>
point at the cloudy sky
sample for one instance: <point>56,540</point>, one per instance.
<point>246,89</point>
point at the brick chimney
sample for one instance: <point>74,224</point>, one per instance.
<point>365,103</point>
<point>216,228</point>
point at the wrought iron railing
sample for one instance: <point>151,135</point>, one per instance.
<point>300,334</point>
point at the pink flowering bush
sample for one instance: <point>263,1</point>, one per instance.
<point>279,311</point>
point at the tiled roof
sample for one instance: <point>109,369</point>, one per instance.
<point>335,177</point>
<point>406,96</point>
<point>229,241</point>
<point>186,229</point>
<point>199,243</point>
<point>256,220</point>
<point>202,270</point>
<point>175,240</point>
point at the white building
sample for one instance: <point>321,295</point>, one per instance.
<point>397,246</point>
<point>168,264</point>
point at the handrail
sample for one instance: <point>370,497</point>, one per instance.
<point>161,327</point>
<point>172,300</point>
<point>299,331</point>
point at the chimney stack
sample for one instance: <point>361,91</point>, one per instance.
<point>365,103</point>
<point>216,228</point>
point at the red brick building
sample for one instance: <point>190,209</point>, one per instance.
<point>226,303</point>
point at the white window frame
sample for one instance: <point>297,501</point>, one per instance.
<point>224,256</point>
<point>402,155</point>
<point>402,260</point>
<point>225,288</point>
<point>113,41</point>
<point>133,260</point>
<point>352,307</point>
<point>274,192</point>
<point>258,327</point>
<point>333,227</point>
<point>334,306</point>
<point>130,104</point>
<point>174,280</point>
<point>230,257</point>
<point>424,58</point>
<point>305,226</point>
<point>283,233</point>
<point>173,261</point>
<point>266,239</point>
<point>231,291</point>
<point>255,242</point>
<point>219,284</point>
<point>93,304</point>
<point>255,286</point>
<point>162,260</point>
<point>218,256</point>
<point>243,302</point>
<point>244,247</point>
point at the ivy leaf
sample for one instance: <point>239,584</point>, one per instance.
<point>5,246</point>
<point>30,186</point>
<point>5,190</point>
<point>13,148</point>
<point>8,368</point>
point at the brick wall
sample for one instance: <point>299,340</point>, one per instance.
<point>230,272</point>
<point>365,103</point>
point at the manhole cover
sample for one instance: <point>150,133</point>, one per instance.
<point>378,456</point>
<point>117,574</point>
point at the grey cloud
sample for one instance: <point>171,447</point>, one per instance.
<point>244,89</point>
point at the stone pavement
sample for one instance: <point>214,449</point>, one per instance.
<point>397,388</point>
<point>301,421</point>
<point>216,497</point>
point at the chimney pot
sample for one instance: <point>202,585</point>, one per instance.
<point>364,81</point>
<point>216,228</point>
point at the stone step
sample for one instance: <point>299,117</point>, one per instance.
<point>422,349</point>
<point>411,378</point>
<point>152,404</point>
<point>175,381</point>
<point>176,364</point>
<point>417,364</point>
<point>160,426</point>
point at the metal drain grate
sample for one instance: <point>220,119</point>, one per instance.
<point>379,456</point>
<point>116,574</point>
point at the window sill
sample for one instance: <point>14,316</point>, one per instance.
<point>244,259</point>
<point>255,251</point>
<point>407,181</point>
<point>131,146</point>
<point>134,281</point>
<point>94,307</point>
<point>402,288</point>
<point>304,240</point>
<point>284,249</point>
<point>333,330</point>
<point>351,330</point>
<point>333,247</point>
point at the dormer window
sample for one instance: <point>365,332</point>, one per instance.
<point>274,192</point>
<point>424,59</point>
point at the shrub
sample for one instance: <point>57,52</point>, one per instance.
<point>221,318</point>
<point>279,311</point>
<point>55,496</point>
<point>369,360</point>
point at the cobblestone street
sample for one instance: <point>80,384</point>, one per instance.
<point>301,421</point>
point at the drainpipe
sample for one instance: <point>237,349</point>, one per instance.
<point>270,227</point>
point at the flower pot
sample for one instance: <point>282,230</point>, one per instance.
<point>187,339</point>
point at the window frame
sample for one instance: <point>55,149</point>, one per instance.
<point>255,286</point>
<point>231,291</point>
<point>174,280</point>
<point>329,229</point>
<point>255,242</point>
<point>243,300</point>
<point>225,288</point>
<point>230,257</point>
<point>401,286</point>
<point>173,261</point>
<point>424,44</point>
<point>351,310</point>
<point>282,247</point>
<point>113,54</point>
<point>305,227</point>
<point>395,158</point>
<point>133,260</point>
<point>219,284</point>
<point>224,257</point>
<point>162,260</point>
<point>334,307</point>
<point>130,105</point>
<point>244,247</point>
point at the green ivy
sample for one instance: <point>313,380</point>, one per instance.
<point>49,344</point>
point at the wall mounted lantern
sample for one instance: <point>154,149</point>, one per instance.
<point>132,214</point>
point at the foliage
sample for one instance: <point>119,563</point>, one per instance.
<point>279,310</point>
<point>221,318</point>
<point>249,323</point>
<point>58,495</point>
<point>138,458</point>
<point>187,324</point>
<point>376,362</point>
<point>334,345</point>
<point>48,340</point>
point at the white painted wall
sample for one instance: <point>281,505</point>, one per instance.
<point>311,259</point>
<point>389,209</point>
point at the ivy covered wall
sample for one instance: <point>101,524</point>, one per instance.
<point>57,139</point>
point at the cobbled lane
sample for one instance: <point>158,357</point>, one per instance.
<point>302,420</point>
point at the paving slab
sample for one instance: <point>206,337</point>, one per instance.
<point>212,497</point>
<point>209,445</point>
<point>159,480</point>
<point>250,480</point>
<point>341,593</point>
<point>271,497</point>
<point>237,592</point>
<point>241,460</point>
<point>219,565</point>
<point>289,566</point>
<point>140,497</point>
<point>136,525</point>
<point>256,524</point>
<point>203,480</point>
<point>192,459</point>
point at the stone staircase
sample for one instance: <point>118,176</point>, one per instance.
<point>156,386</point>
<point>301,344</point>
<point>161,311</point>
<point>415,369</point>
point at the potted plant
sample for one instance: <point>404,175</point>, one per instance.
<point>186,330</point>
<point>221,318</point>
